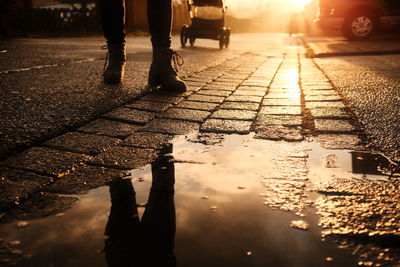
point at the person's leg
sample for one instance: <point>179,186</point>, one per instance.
<point>113,20</point>
<point>159,14</point>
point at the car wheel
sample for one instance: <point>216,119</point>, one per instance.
<point>184,33</point>
<point>360,26</point>
<point>221,41</point>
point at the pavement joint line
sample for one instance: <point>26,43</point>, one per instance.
<point>64,149</point>
<point>47,66</point>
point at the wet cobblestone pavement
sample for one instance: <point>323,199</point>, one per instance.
<point>264,152</point>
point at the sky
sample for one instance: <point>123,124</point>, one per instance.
<point>247,8</point>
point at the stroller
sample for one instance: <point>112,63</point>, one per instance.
<point>208,21</point>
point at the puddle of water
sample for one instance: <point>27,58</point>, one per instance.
<point>238,201</point>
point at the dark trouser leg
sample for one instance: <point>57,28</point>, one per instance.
<point>113,20</point>
<point>159,14</point>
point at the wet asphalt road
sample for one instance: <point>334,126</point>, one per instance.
<point>260,110</point>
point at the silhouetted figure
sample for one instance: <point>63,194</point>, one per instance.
<point>159,14</point>
<point>294,24</point>
<point>150,241</point>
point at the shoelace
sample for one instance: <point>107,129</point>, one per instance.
<point>178,60</point>
<point>105,47</point>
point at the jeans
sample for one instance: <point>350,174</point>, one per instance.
<point>159,14</point>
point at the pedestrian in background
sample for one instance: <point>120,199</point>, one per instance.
<point>159,13</point>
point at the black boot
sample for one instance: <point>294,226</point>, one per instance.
<point>116,56</point>
<point>162,73</point>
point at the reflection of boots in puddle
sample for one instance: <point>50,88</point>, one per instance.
<point>149,242</point>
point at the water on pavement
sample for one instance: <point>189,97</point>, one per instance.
<point>224,200</point>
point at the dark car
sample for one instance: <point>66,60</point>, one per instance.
<point>358,19</point>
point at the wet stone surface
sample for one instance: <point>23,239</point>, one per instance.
<point>82,143</point>
<point>185,114</point>
<point>124,158</point>
<point>45,161</point>
<point>264,176</point>
<point>109,128</point>
<point>226,126</point>
<point>130,115</point>
<point>335,126</point>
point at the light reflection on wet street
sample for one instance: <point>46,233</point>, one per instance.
<point>238,201</point>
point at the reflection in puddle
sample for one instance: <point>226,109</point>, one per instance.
<point>237,201</point>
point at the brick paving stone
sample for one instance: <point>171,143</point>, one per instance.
<point>149,106</point>
<point>109,128</point>
<point>284,91</point>
<point>329,113</point>
<point>130,115</point>
<point>206,98</point>
<point>279,132</point>
<point>281,102</point>
<point>325,104</point>
<point>226,126</point>
<point>244,98</point>
<point>240,105</point>
<point>314,82</point>
<point>233,114</point>
<point>316,87</point>
<point>89,144</point>
<point>280,110</point>
<point>185,114</point>
<point>310,98</point>
<point>333,126</point>
<point>219,86</point>
<point>16,185</point>
<point>197,105</point>
<point>319,92</point>
<point>213,92</point>
<point>249,93</point>
<point>125,158</point>
<point>223,82</point>
<point>169,126</point>
<point>147,140</point>
<point>45,161</point>
<point>273,95</point>
<point>255,83</point>
<point>339,141</point>
<point>286,120</point>
<point>161,97</point>
<point>85,178</point>
<point>252,88</point>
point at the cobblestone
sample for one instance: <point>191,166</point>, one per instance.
<point>191,115</point>
<point>285,120</point>
<point>334,97</point>
<point>339,141</point>
<point>45,161</point>
<point>248,93</point>
<point>147,140</point>
<point>280,110</point>
<point>162,97</point>
<point>243,98</point>
<point>240,105</point>
<point>149,106</point>
<point>16,185</point>
<point>124,158</point>
<point>82,143</point>
<point>213,92</point>
<point>226,126</point>
<point>109,128</point>
<point>279,132</point>
<point>281,102</point>
<point>130,115</point>
<point>333,126</point>
<point>197,105</point>
<point>169,126</point>
<point>329,113</point>
<point>234,114</point>
<point>84,179</point>
<point>326,104</point>
<point>206,98</point>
